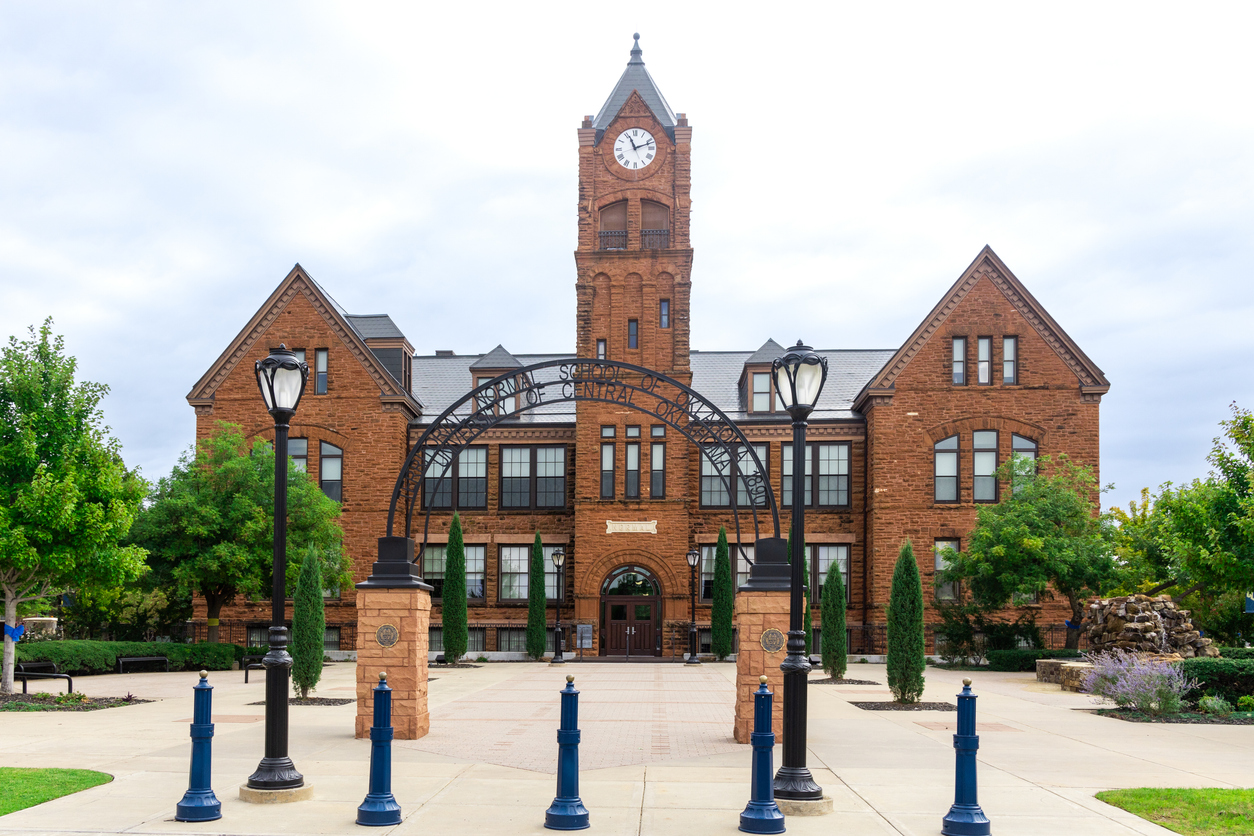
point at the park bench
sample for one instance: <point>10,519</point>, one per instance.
<point>20,672</point>
<point>251,663</point>
<point>124,659</point>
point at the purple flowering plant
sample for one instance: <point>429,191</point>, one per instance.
<point>1141,685</point>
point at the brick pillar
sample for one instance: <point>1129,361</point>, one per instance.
<point>758,611</point>
<point>393,614</point>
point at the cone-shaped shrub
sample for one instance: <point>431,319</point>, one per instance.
<point>724,600</point>
<point>905,629</point>
<point>456,630</point>
<point>536,602</point>
<point>835,654</point>
<point>308,624</point>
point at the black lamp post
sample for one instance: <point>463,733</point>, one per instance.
<point>281,377</point>
<point>693,557</point>
<point>559,560</point>
<point>799,377</point>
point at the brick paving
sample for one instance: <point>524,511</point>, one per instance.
<point>629,714</point>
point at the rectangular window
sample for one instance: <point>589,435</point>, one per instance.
<point>664,313</point>
<point>299,352</point>
<point>320,371</point>
<point>533,477</point>
<point>633,333</point>
<point>501,399</point>
<point>944,591</point>
<point>433,570</point>
<point>742,562</point>
<point>658,431</point>
<point>633,432</point>
<point>827,473</point>
<point>1009,360</point>
<point>516,477</point>
<point>761,392</point>
<point>946,469</point>
<point>984,360</point>
<point>607,471</point>
<point>960,361</point>
<point>1021,449</point>
<point>600,349</point>
<point>298,452</point>
<point>718,475</point>
<point>607,432</point>
<point>824,558</point>
<point>330,638</point>
<point>746,467</point>
<point>515,561</point>
<point>258,636</point>
<point>657,470</point>
<point>984,465</point>
<point>631,486</point>
<point>437,481</point>
<point>472,478</point>
<point>331,471</point>
<point>715,478</point>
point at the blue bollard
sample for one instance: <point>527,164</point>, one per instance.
<point>965,818</point>
<point>380,807</point>
<point>762,814</point>
<point>567,811</point>
<point>199,803</point>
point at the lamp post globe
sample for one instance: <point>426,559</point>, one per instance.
<point>693,557</point>
<point>281,378</point>
<point>799,377</point>
<point>559,562</point>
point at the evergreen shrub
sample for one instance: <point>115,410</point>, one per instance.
<point>833,651</point>
<point>1227,678</point>
<point>308,624</point>
<point>536,602</point>
<point>906,644</point>
<point>723,610</point>
<point>453,595</point>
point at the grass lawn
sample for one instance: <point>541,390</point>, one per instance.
<point>22,788</point>
<point>1191,812</point>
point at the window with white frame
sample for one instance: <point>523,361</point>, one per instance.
<point>984,465</point>
<point>434,559</point>
<point>824,558</point>
<point>742,560</point>
<point>945,455</point>
<point>515,564</point>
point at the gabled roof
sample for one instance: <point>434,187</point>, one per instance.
<point>767,353</point>
<point>498,359</point>
<point>298,283</point>
<point>987,265</point>
<point>636,78</point>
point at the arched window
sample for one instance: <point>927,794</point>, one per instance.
<point>946,469</point>
<point>614,226</point>
<point>630,580</point>
<point>655,225</point>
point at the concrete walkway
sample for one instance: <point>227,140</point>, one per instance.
<point>1042,756</point>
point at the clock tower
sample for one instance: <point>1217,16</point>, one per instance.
<point>633,267</point>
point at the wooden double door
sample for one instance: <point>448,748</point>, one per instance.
<point>631,613</point>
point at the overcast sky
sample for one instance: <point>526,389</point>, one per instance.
<point>163,166</point>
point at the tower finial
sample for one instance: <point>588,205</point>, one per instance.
<point>636,52</point>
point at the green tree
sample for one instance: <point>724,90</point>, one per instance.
<point>906,643</point>
<point>67,501</point>
<point>832,647</point>
<point>453,596</point>
<point>210,523</point>
<point>724,593</point>
<point>1046,536</point>
<point>807,625</point>
<point>537,603</point>
<point>308,624</point>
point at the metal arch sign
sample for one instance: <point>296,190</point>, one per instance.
<point>569,380</point>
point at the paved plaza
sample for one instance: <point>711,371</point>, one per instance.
<point>657,756</point>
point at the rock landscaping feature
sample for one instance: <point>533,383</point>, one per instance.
<point>1141,624</point>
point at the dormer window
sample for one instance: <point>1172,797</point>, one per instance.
<point>614,226</point>
<point>655,229</point>
<point>762,396</point>
<point>503,395</point>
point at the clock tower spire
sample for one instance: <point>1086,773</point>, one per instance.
<point>634,259</point>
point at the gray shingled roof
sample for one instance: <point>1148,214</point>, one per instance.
<point>374,326</point>
<point>636,77</point>
<point>767,353</point>
<point>498,359</point>
<point>716,374</point>
<point>441,381</point>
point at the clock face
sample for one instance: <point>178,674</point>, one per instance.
<point>635,148</point>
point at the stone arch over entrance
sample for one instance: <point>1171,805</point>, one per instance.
<point>630,613</point>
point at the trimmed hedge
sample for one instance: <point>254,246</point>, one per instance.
<point>1022,659</point>
<point>1237,652</point>
<point>1227,678</point>
<point>88,657</point>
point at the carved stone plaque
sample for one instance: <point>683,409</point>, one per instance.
<point>644,527</point>
<point>387,635</point>
<point>772,640</point>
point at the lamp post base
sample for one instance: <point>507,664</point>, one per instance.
<point>796,784</point>
<point>275,774</point>
<point>284,796</point>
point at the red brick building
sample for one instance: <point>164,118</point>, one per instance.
<point>903,443</point>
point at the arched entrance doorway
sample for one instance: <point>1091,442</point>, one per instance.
<point>631,613</point>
